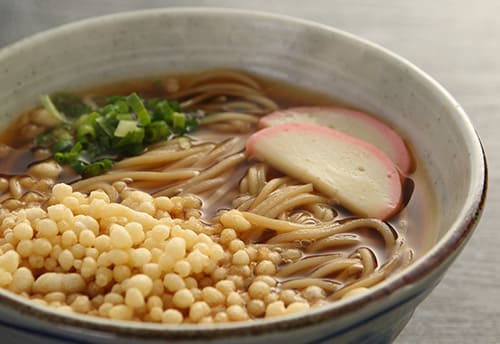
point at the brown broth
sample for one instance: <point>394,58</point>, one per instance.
<point>417,220</point>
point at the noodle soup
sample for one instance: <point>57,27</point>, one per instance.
<point>191,228</point>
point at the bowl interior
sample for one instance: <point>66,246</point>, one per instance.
<point>307,55</point>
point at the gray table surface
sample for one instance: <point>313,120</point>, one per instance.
<point>457,43</point>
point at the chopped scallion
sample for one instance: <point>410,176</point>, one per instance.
<point>50,107</point>
<point>179,121</point>
<point>137,105</point>
<point>124,127</point>
<point>91,141</point>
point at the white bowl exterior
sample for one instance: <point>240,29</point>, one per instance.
<point>301,53</point>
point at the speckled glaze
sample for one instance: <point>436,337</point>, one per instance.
<point>299,52</point>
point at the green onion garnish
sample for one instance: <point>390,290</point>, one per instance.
<point>90,141</point>
<point>50,107</point>
<point>137,105</point>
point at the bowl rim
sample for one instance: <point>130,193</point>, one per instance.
<point>445,249</point>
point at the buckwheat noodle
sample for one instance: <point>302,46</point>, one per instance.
<point>336,254</point>
<point>284,212</point>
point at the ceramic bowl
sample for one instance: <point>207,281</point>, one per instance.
<point>295,51</point>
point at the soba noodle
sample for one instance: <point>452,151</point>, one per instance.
<point>319,252</point>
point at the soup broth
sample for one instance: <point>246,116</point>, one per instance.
<point>193,229</point>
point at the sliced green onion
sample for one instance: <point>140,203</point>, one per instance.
<point>98,167</point>
<point>88,118</point>
<point>164,111</point>
<point>178,121</point>
<point>109,130</point>
<point>156,131</point>
<point>78,165</point>
<point>110,109</point>
<point>85,131</point>
<point>125,117</point>
<point>132,141</point>
<point>122,106</point>
<point>124,127</point>
<point>68,157</point>
<point>62,141</point>
<point>51,108</point>
<point>137,105</point>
